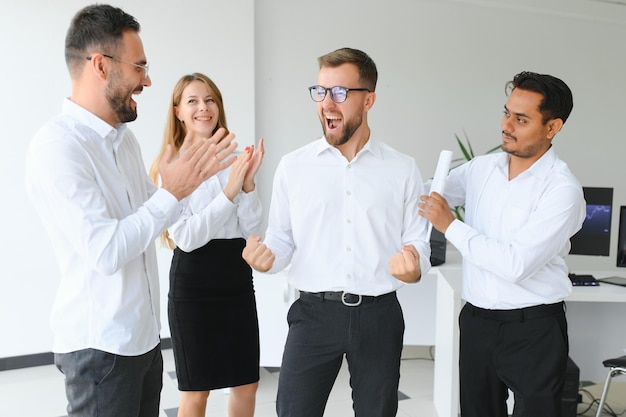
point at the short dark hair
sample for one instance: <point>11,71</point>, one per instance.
<point>96,28</point>
<point>368,74</point>
<point>557,100</point>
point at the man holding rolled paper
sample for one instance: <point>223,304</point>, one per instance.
<point>521,208</point>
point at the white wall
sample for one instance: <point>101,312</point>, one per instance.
<point>442,69</point>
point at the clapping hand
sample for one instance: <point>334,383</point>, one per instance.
<point>197,160</point>
<point>253,167</point>
<point>241,177</point>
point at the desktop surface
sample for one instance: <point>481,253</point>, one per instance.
<point>603,293</point>
<point>614,280</point>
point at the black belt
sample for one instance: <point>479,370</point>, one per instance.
<point>518,314</point>
<point>351,300</point>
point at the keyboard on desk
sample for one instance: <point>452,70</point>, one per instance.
<point>585,280</point>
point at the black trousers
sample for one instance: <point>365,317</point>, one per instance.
<point>321,332</point>
<point>523,350</point>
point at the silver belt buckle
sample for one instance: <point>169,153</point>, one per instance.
<point>343,300</point>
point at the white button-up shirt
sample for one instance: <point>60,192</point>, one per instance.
<point>88,182</point>
<point>516,232</point>
<point>339,222</point>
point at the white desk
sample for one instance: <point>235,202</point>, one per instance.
<point>596,326</point>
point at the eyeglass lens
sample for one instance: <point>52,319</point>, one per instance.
<point>338,94</point>
<point>145,68</point>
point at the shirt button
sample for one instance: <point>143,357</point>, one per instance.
<point>348,193</point>
<point>348,248</point>
<point>348,221</point>
<point>348,276</point>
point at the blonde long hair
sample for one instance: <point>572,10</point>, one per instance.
<point>175,130</point>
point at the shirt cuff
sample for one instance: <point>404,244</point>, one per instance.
<point>169,205</point>
<point>458,233</point>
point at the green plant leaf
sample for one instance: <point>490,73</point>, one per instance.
<point>468,153</point>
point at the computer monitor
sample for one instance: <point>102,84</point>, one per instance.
<point>594,238</point>
<point>621,238</point>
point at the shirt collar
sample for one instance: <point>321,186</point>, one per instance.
<point>87,118</point>
<point>372,146</point>
<point>540,168</point>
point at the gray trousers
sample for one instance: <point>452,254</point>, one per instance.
<point>101,384</point>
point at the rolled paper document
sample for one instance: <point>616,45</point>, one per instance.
<point>439,180</point>
<point>441,172</point>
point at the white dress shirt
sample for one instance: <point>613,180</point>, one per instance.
<point>209,214</point>
<point>339,222</point>
<point>88,182</point>
<point>516,232</point>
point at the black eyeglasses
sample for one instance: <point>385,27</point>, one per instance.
<point>338,94</point>
<point>145,68</point>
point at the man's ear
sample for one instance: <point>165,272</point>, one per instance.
<point>98,65</point>
<point>554,126</point>
<point>369,101</point>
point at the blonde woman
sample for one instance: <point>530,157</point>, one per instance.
<point>211,303</point>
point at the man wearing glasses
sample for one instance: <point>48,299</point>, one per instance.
<point>86,178</point>
<point>343,213</point>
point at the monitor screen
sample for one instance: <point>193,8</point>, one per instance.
<point>621,238</point>
<point>594,238</point>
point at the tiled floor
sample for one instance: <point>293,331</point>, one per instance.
<point>39,392</point>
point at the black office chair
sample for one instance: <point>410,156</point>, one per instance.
<point>617,367</point>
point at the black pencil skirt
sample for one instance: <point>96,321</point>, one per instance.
<point>213,317</point>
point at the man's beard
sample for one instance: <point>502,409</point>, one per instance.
<point>346,133</point>
<point>529,151</point>
<point>119,100</point>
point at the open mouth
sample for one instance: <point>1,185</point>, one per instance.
<point>135,93</point>
<point>333,121</point>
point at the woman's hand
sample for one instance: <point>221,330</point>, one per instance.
<point>238,173</point>
<point>253,167</point>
